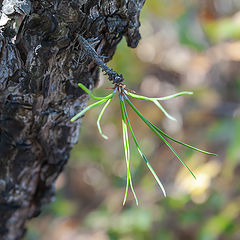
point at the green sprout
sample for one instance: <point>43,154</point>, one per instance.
<point>124,93</point>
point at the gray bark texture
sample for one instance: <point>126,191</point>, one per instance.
<point>41,62</point>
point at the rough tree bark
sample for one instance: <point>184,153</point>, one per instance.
<point>41,62</point>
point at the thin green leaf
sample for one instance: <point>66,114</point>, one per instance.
<point>127,155</point>
<point>150,125</point>
<point>100,116</point>
<point>99,119</point>
<point>163,110</point>
<point>142,154</point>
<point>85,89</point>
<point>80,114</point>
<point>157,99</point>
<point>133,191</point>
<point>172,149</point>
<point>182,143</point>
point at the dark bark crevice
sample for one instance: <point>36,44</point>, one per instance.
<point>41,63</point>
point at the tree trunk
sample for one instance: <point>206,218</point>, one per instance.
<point>41,62</point>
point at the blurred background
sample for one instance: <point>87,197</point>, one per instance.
<point>186,45</point>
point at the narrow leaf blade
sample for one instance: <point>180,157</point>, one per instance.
<point>127,154</point>
<point>99,119</point>
<point>182,143</point>
<point>85,89</point>
<point>164,111</point>
<point>158,99</point>
<point>80,114</point>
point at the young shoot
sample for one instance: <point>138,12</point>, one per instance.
<point>124,95</point>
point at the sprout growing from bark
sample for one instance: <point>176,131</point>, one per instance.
<point>124,95</point>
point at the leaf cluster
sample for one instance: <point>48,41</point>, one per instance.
<point>124,95</point>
